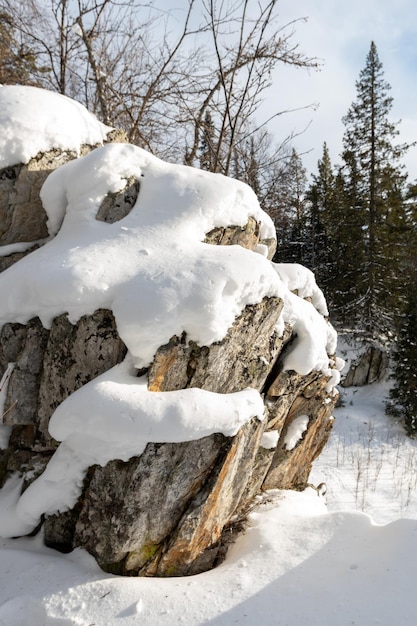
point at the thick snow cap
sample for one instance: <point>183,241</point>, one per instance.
<point>34,120</point>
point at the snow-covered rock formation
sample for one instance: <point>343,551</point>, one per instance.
<point>155,362</point>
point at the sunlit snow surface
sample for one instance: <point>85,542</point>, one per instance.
<point>300,563</point>
<point>34,120</point>
<point>151,268</point>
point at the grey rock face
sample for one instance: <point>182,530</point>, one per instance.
<point>48,367</point>
<point>247,237</point>
<point>117,205</point>
<point>369,367</point>
<point>22,216</point>
<point>226,366</point>
<point>24,346</point>
<point>137,505</point>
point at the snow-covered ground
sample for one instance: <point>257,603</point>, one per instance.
<point>369,464</point>
<point>304,559</point>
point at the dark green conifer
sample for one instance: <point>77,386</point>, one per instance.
<point>207,148</point>
<point>375,182</point>
<point>321,200</point>
<point>404,392</point>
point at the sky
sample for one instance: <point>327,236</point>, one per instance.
<point>340,33</point>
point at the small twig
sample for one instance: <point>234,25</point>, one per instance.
<point>101,597</point>
<point>9,409</point>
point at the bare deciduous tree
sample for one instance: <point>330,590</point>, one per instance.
<point>248,43</point>
<point>159,73</point>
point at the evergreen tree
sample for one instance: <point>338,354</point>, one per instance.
<point>320,196</point>
<point>333,232</point>
<point>404,371</point>
<point>289,212</point>
<point>207,148</point>
<point>348,236</point>
<point>374,187</point>
<point>404,391</point>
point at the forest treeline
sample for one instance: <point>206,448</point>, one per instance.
<point>187,84</point>
<point>355,226</point>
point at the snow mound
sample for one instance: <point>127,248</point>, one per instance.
<point>34,120</point>
<point>301,280</point>
<point>24,610</point>
<point>296,564</point>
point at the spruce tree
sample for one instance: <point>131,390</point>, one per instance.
<point>207,147</point>
<point>404,361</point>
<point>374,184</point>
<point>290,212</point>
<point>349,232</point>
<point>404,392</point>
<point>320,196</point>
<point>334,232</point>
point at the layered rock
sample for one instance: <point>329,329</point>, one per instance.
<point>23,221</point>
<point>168,510</point>
<point>366,362</point>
